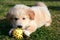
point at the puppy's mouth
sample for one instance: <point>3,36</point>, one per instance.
<point>22,27</point>
<point>19,26</point>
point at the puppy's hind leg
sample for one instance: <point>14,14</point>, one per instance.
<point>48,23</point>
<point>48,18</point>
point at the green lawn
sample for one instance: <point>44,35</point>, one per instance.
<point>44,33</point>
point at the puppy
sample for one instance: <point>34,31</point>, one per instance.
<point>29,18</point>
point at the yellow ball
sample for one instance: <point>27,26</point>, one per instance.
<point>17,33</point>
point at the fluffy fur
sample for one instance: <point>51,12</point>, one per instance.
<point>29,18</point>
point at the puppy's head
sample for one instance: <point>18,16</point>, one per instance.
<point>20,17</point>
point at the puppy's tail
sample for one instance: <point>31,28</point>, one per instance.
<point>41,4</point>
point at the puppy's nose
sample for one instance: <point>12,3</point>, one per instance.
<point>19,26</point>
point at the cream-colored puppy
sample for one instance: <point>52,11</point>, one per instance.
<point>29,18</point>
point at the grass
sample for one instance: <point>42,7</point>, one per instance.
<point>44,33</point>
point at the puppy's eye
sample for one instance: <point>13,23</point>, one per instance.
<point>16,18</point>
<point>23,18</point>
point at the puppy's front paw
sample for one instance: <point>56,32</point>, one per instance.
<point>10,32</point>
<point>27,33</point>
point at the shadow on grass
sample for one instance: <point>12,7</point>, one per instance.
<point>54,7</point>
<point>4,27</point>
<point>47,0</point>
<point>50,7</point>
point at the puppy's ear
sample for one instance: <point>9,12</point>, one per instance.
<point>31,14</point>
<point>8,16</point>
